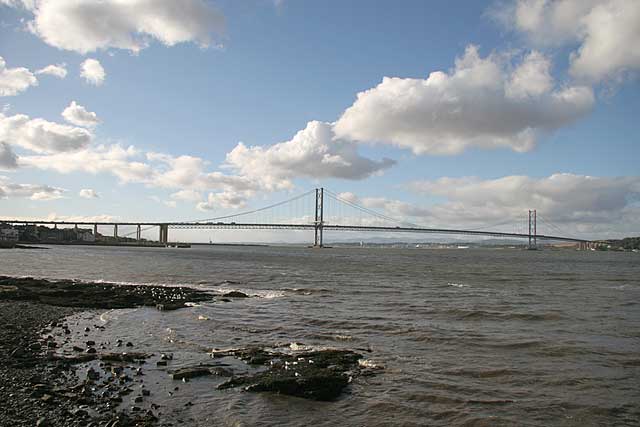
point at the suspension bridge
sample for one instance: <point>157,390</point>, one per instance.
<point>321,210</point>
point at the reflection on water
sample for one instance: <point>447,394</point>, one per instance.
<point>477,336</point>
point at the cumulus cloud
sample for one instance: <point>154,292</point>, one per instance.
<point>114,159</point>
<point>42,136</point>
<point>606,33</point>
<point>583,204</point>
<point>482,102</point>
<point>15,80</point>
<point>87,26</point>
<point>78,115</point>
<point>313,152</point>
<point>11,190</point>
<point>25,4</point>
<point>224,200</point>
<point>92,72</point>
<point>88,193</point>
<point>59,71</point>
<point>8,159</point>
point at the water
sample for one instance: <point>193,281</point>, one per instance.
<point>466,337</point>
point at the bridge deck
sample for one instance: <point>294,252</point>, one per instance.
<point>311,226</point>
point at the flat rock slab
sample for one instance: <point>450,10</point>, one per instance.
<point>68,293</point>
<point>190,372</point>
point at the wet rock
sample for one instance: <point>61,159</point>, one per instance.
<point>129,344</point>
<point>68,293</point>
<point>18,352</point>
<point>191,372</point>
<point>316,375</point>
<point>124,357</point>
<point>43,422</point>
<point>235,294</point>
<point>91,343</point>
<point>91,350</point>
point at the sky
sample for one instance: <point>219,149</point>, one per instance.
<point>445,114</point>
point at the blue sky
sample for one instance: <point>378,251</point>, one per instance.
<point>274,67</point>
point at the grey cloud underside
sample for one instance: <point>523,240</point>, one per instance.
<point>8,159</point>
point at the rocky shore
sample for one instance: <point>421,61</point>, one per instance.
<point>40,388</point>
<point>54,374</point>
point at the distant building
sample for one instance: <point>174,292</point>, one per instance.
<point>7,232</point>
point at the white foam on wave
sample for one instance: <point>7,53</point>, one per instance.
<point>260,293</point>
<point>457,285</point>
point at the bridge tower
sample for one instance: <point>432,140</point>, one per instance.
<point>319,217</point>
<point>164,233</point>
<point>533,229</point>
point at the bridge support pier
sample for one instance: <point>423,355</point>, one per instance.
<point>164,233</point>
<point>533,230</point>
<point>95,230</point>
<point>115,231</point>
<point>319,218</point>
<point>138,233</point>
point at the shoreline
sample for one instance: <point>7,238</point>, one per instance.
<point>39,388</point>
<point>59,368</point>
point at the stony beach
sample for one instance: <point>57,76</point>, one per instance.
<point>45,381</point>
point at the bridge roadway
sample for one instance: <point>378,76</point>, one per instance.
<point>309,226</point>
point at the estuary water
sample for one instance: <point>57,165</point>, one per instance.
<point>463,337</point>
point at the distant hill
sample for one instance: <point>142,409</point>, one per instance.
<point>627,243</point>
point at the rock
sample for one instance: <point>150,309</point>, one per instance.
<point>17,352</point>
<point>166,356</point>
<point>47,398</point>
<point>78,349</point>
<point>91,350</point>
<point>80,413</point>
<point>235,294</point>
<point>93,374</point>
<point>129,344</point>
<point>42,422</point>
<point>146,392</point>
<point>91,343</point>
<point>317,375</point>
<point>190,372</point>
<point>138,399</point>
<point>161,363</point>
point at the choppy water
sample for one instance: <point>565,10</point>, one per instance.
<point>467,337</point>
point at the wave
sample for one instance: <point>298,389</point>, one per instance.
<point>463,314</point>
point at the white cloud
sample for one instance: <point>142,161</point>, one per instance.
<point>30,191</point>
<point>93,73</point>
<point>224,200</point>
<point>88,193</point>
<point>8,159</point>
<point>187,195</point>
<point>15,80</point>
<point>25,4</point>
<point>313,152</point>
<point>42,136</point>
<point>78,115</point>
<point>606,32</point>
<point>59,71</point>
<point>580,204</point>
<point>481,103</point>
<point>87,26</point>
<point>113,159</point>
